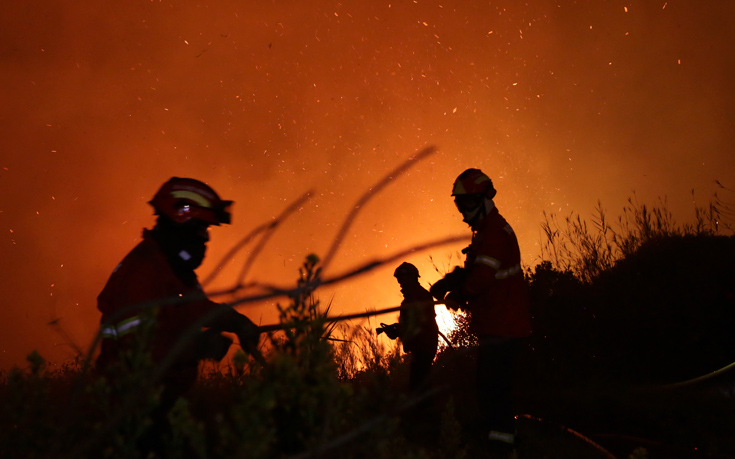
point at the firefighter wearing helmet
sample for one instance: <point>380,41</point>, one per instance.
<point>416,327</point>
<point>491,287</point>
<point>153,303</point>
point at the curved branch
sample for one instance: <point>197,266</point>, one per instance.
<point>269,228</point>
<point>273,291</point>
<point>367,196</point>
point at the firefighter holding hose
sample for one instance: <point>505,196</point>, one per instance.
<point>492,288</point>
<point>153,302</point>
<point>416,327</point>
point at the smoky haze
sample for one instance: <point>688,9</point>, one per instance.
<point>563,103</point>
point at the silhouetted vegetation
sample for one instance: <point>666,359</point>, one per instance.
<point>633,330</point>
<point>648,301</point>
<point>620,315</point>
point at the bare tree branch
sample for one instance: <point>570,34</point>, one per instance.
<point>269,228</point>
<point>272,291</point>
<point>410,162</point>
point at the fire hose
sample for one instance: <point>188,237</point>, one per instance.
<point>329,320</point>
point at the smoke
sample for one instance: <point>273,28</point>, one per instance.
<point>561,102</point>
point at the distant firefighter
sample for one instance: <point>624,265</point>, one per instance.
<point>492,288</point>
<point>153,302</point>
<point>416,327</point>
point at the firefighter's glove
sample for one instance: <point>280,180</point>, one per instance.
<point>454,301</point>
<point>451,281</point>
<point>212,345</point>
<point>248,334</point>
<point>440,289</point>
<point>457,275</point>
<point>391,331</point>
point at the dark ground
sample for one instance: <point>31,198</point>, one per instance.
<point>577,417</point>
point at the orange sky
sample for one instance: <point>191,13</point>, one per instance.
<point>562,103</point>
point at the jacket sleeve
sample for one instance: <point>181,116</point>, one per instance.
<point>230,320</point>
<point>132,288</point>
<point>485,264</point>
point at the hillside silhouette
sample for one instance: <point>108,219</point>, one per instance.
<point>663,313</point>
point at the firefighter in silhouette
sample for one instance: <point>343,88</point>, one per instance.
<point>153,305</point>
<point>416,327</point>
<point>492,289</point>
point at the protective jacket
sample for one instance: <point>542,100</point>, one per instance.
<point>144,292</point>
<point>417,320</point>
<point>494,287</point>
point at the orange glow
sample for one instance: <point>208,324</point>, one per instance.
<point>447,321</point>
<point>104,101</point>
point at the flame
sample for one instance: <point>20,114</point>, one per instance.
<point>446,319</point>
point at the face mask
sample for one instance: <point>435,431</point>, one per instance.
<point>473,208</point>
<point>469,206</point>
<point>469,216</point>
<point>193,240</point>
<point>192,254</point>
<point>186,244</point>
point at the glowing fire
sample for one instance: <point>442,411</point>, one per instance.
<point>447,321</point>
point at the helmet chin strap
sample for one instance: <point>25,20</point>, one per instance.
<point>476,215</point>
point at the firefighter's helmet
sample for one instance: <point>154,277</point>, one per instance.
<point>473,182</point>
<point>185,199</point>
<point>406,270</point>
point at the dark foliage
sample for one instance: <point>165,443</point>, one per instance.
<point>608,331</point>
<point>662,313</point>
<point>667,311</point>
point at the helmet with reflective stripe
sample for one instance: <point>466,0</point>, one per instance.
<point>473,181</point>
<point>185,199</point>
<point>406,270</point>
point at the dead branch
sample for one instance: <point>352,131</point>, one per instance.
<point>372,191</point>
<point>269,228</point>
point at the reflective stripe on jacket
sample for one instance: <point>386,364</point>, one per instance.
<point>122,328</point>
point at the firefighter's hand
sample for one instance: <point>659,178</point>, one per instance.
<point>440,289</point>
<point>451,281</point>
<point>211,345</point>
<point>391,331</point>
<point>457,275</point>
<point>455,301</point>
<point>248,334</point>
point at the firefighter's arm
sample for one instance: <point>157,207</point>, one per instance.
<point>481,277</point>
<point>223,317</point>
<point>391,331</point>
<point>451,282</point>
<point>212,345</point>
<point>455,300</point>
<point>247,332</point>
